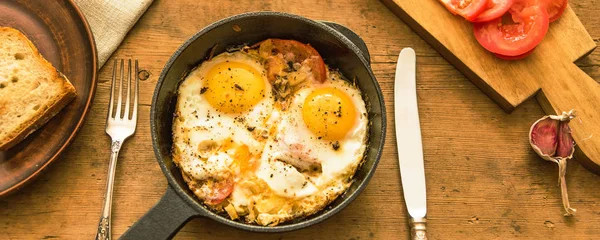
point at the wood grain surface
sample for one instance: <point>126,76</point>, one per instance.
<point>548,73</point>
<point>483,180</point>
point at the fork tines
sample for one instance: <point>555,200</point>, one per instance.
<point>125,115</point>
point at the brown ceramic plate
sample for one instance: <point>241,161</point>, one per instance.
<point>60,32</point>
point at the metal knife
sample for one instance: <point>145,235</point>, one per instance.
<point>408,138</point>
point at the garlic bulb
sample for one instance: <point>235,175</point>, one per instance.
<point>550,137</point>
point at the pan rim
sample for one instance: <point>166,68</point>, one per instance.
<point>203,211</point>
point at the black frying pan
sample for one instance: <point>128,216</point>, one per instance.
<point>340,48</point>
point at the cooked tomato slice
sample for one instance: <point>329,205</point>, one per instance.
<point>295,51</point>
<point>514,57</point>
<point>554,8</point>
<point>513,36</point>
<point>495,9</point>
<point>218,191</point>
<point>469,9</point>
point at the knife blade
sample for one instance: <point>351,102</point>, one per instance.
<point>408,138</point>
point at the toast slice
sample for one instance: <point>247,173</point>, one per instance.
<point>32,91</point>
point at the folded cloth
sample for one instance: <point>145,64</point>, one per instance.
<point>110,21</point>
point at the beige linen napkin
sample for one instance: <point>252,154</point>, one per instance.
<point>110,21</point>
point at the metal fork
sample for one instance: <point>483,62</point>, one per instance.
<point>119,128</point>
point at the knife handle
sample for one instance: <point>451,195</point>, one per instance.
<point>418,228</point>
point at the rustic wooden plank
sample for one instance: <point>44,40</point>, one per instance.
<point>483,180</point>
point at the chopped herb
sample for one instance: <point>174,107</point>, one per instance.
<point>238,87</point>
<point>336,145</point>
<point>203,90</point>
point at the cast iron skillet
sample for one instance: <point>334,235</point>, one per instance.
<point>334,42</point>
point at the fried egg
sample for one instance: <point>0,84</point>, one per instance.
<point>319,143</point>
<point>219,103</point>
<point>252,145</point>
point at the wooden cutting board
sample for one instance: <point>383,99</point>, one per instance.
<point>549,73</point>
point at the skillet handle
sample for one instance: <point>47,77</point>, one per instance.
<point>353,37</point>
<point>164,220</point>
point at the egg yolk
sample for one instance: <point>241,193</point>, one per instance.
<point>233,87</point>
<point>329,113</point>
<point>242,158</point>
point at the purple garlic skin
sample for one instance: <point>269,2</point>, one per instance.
<point>566,144</point>
<point>544,136</point>
<point>550,137</point>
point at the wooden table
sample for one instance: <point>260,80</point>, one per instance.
<point>483,179</point>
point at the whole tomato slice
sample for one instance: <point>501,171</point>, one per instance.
<point>513,36</point>
<point>554,8</point>
<point>469,9</point>
<point>495,9</point>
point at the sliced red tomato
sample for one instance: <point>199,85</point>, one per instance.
<point>514,57</point>
<point>554,8</point>
<point>495,9</point>
<point>513,36</point>
<point>469,9</point>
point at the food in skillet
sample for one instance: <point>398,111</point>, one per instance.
<point>268,133</point>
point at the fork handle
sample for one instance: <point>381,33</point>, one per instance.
<point>104,232</point>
